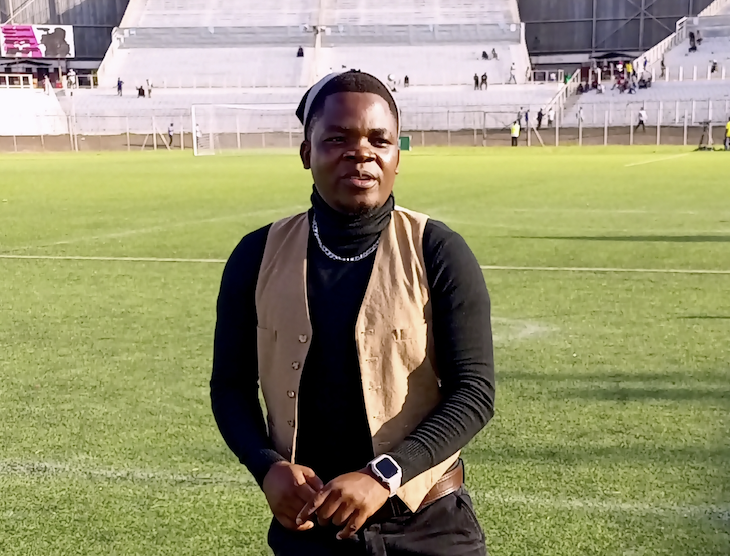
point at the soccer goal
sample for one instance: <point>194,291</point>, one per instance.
<point>231,128</point>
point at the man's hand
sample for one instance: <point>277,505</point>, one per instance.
<point>348,500</point>
<point>288,487</point>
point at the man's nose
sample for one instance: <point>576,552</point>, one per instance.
<point>361,151</point>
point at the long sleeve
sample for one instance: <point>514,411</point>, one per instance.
<point>464,354</point>
<point>234,381</point>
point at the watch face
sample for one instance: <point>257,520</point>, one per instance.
<point>387,468</point>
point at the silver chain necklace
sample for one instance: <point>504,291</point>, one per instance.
<point>331,255</point>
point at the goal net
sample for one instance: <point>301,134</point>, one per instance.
<point>230,128</point>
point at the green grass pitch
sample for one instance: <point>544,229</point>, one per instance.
<point>612,432</point>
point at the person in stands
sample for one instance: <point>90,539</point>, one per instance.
<point>580,89</point>
<point>692,42</point>
<point>727,135</point>
<point>485,56</point>
<point>120,84</point>
<point>494,54</point>
<point>713,66</point>
<point>699,37</point>
<point>551,117</point>
<point>643,116</point>
<point>540,116</point>
<point>171,134</point>
<point>300,52</point>
<point>512,70</point>
<point>484,82</point>
<point>406,81</point>
<point>476,82</point>
<point>140,92</point>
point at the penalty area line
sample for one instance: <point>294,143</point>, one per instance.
<point>656,160</point>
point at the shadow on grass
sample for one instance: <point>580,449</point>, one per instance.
<point>713,317</point>
<point>621,394</point>
<point>639,239</point>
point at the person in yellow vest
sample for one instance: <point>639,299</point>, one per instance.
<point>515,133</point>
<point>727,135</point>
<point>368,328</point>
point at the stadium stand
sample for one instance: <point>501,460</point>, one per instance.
<point>245,53</point>
<point>26,111</point>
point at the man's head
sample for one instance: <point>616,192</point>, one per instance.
<point>351,127</point>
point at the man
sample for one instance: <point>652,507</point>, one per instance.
<point>120,84</point>
<point>512,78</point>
<point>540,116</point>
<point>368,328</point>
<point>198,135</point>
<point>485,82</point>
<point>519,115</point>
<point>494,54</point>
<point>170,134</point>
<point>643,116</point>
<point>149,89</point>
<point>515,133</point>
<point>476,82</point>
<point>551,117</point>
<point>727,135</point>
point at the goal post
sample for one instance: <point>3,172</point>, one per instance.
<point>231,128</point>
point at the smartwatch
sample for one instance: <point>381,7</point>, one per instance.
<point>388,472</point>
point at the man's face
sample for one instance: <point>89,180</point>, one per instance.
<point>353,152</point>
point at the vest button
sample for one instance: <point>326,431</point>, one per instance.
<point>303,338</point>
<point>296,365</point>
<point>291,393</point>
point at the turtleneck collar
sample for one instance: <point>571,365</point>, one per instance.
<point>349,235</point>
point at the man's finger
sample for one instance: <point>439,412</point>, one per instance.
<point>305,493</point>
<point>312,506</point>
<point>357,520</point>
<point>290,524</point>
<point>311,477</point>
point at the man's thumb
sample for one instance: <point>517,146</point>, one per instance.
<point>311,477</point>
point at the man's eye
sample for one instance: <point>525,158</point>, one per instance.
<point>381,141</point>
<point>337,139</point>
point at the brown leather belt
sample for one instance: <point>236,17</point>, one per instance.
<point>451,481</point>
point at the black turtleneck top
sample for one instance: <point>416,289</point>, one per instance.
<point>333,432</point>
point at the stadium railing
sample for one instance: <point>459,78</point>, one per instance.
<point>16,81</point>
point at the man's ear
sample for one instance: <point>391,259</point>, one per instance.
<point>305,153</point>
<point>397,163</point>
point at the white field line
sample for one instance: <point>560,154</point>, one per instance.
<point>656,160</point>
<point>718,511</point>
<point>483,267</point>
<point>161,227</point>
<point>39,468</point>
<point>596,269</point>
<point>46,469</point>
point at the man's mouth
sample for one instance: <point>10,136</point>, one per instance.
<point>362,180</point>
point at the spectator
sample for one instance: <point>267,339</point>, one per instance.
<point>120,84</point>
<point>47,88</point>
<point>692,42</point>
<point>198,135</point>
<point>580,88</point>
<point>171,133</point>
<point>699,38</point>
<point>663,67</point>
<point>713,67</point>
<point>149,89</point>
<point>72,79</point>
<point>476,82</point>
<point>629,69</point>
<point>300,52</point>
<point>540,116</point>
<point>484,82</point>
<point>515,133</point>
<point>601,89</point>
<point>494,54</point>
<point>642,120</point>
<point>485,56</point>
<point>727,135</point>
<point>644,82</point>
<point>512,78</point>
<point>632,87</point>
<point>551,117</point>
<point>406,81</point>
<point>646,62</point>
<point>519,116</point>
<point>140,92</point>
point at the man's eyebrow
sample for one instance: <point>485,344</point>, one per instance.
<point>344,129</point>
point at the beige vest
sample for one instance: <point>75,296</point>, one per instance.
<point>393,336</point>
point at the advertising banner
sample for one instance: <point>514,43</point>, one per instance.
<point>37,41</point>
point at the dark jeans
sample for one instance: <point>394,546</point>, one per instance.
<point>447,527</point>
<point>514,141</point>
